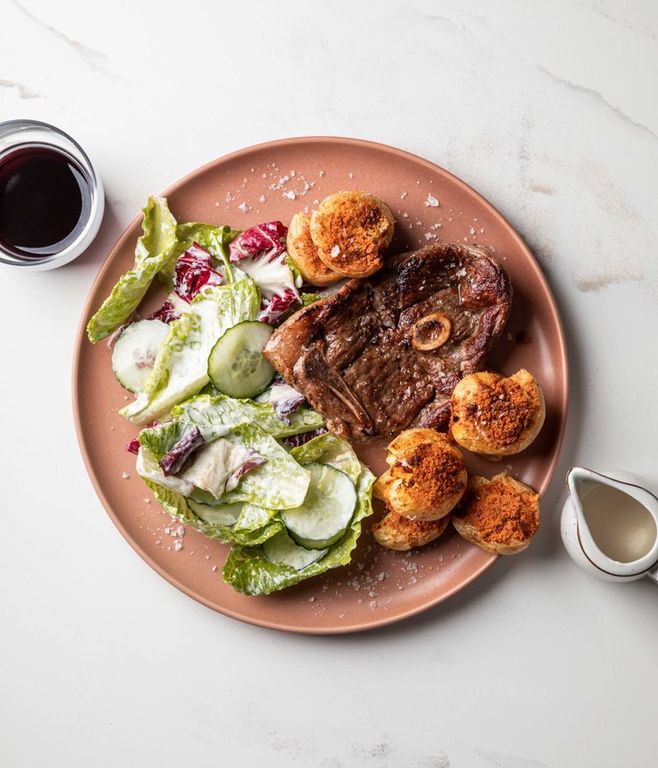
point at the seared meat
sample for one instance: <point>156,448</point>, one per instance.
<point>363,356</point>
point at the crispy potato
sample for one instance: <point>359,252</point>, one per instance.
<point>350,229</point>
<point>397,532</point>
<point>494,415</point>
<point>500,515</point>
<point>427,476</point>
<point>304,253</point>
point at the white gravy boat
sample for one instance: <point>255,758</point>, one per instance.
<point>609,525</point>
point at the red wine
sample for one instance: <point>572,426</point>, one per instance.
<point>45,200</point>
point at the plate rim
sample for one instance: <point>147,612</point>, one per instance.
<point>80,339</point>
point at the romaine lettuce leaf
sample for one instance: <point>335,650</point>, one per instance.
<point>250,572</point>
<point>181,367</point>
<point>152,253</point>
<point>329,449</point>
<point>253,526</point>
<point>279,483</point>
<point>149,469</point>
<point>215,415</point>
<point>218,467</point>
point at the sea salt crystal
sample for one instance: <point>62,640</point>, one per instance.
<point>125,475</point>
<point>431,201</point>
<point>335,250</point>
<point>292,174</point>
<point>147,501</point>
<point>178,545</point>
<point>214,569</point>
<point>472,230</point>
<point>322,173</point>
<point>351,175</point>
<point>403,195</point>
<point>262,199</point>
<point>244,207</point>
<point>229,197</point>
<point>290,194</point>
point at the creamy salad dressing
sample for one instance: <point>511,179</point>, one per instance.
<point>622,528</point>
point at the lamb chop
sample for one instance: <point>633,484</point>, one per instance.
<point>385,353</point>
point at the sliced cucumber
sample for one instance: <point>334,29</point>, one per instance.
<point>135,351</point>
<point>236,365</point>
<point>225,514</point>
<point>327,509</point>
<point>282,550</point>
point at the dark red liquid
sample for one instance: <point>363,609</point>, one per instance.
<point>45,200</point>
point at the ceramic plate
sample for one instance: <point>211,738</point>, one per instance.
<point>273,181</point>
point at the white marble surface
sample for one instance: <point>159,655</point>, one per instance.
<point>549,109</point>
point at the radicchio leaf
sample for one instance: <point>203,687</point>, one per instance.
<point>266,240</point>
<point>261,253</point>
<point>252,459</point>
<point>133,446</point>
<point>284,399</point>
<point>194,270</point>
<point>294,441</point>
<point>166,313</point>
<point>172,462</point>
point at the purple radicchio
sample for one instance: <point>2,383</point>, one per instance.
<point>167,313</point>
<point>173,462</point>
<point>284,399</point>
<point>260,251</point>
<point>194,270</point>
<point>294,441</point>
<point>250,460</point>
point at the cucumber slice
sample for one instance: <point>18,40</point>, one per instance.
<point>224,514</point>
<point>327,509</point>
<point>282,550</point>
<point>135,351</point>
<point>236,365</point>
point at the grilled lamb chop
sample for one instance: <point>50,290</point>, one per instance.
<point>385,353</point>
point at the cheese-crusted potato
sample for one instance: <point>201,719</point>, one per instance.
<point>426,478</point>
<point>500,515</point>
<point>304,253</point>
<point>350,229</point>
<point>400,533</point>
<point>494,415</point>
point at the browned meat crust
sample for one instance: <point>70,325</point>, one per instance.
<point>351,355</point>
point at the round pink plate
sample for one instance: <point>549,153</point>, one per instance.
<point>273,181</point>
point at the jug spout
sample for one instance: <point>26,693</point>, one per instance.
<point>616,521</point>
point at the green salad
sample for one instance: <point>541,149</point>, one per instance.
<point>225,445</point>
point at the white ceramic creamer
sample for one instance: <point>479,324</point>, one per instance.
<point>609,525</point>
